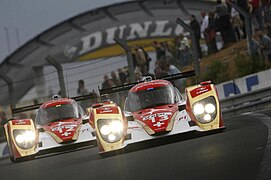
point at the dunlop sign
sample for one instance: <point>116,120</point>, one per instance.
<point>101,43</point>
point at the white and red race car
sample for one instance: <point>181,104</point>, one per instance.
<point>155,109</point>
<point>59,124</point>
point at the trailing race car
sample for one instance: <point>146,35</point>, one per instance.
<point>154,109</point>
<point>59,123</point>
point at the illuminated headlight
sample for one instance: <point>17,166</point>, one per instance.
<point>25,139</point>
<point>210,108</point>
<point>116,126</point>
<point>111,130</point>
<point>105,130</point>
<point>207,117</point>
<point>198,109</point>
<point>205,110</point>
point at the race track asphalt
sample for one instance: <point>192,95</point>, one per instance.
<point>239,152</point>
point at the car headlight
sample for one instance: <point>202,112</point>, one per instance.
<point>111,130</point>
<point>205,110</point>
<point>25,139</point>
<point>210,108</point>
<point>198,109</point>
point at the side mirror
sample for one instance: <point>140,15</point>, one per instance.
<point>85,119</point>
<point>129,116</point>
<point>40,130</point>
<point>182,107</point>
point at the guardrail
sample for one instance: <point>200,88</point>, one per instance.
<point>246,102</point>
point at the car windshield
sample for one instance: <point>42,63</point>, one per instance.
<point>56,113</point>
<point>150,98</point>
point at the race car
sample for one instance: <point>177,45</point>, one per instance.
<point>59,124</point>
<point>155,109</point>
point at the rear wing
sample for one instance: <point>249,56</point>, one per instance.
<point>36,106</point>
<point>25,108</point>
<point>129,86</point>
<point>108,91</point>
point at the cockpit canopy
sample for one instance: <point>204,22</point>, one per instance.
<point>57,112</point>
<point>152,97</point>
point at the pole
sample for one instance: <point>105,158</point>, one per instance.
<point>195,52</point>
<point>124,46</point>
<point>248,25</point>
<point>60,74</point>
<point>10,89</point>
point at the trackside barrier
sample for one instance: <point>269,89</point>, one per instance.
<point>251,101</point>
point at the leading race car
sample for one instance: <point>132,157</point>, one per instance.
<point>59,123</point>
<point>155,109</point>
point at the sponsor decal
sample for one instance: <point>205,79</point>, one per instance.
<point>199,91</point>
<point>21,122</point>
<point>107,110</point>
<point>64,129</point>
<point>162,117</point>
<point>159,124</point>
<point>182,118</point>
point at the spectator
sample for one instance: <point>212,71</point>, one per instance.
<point>115,97</point>
<point>255,53</point>
<point>255,47</point>
<point>115,79</point>
<point>138,76</point>
<point>257,12</point>
<point>224,24</point>
<point>170,70</point>
<point>236,23</point>
<point>159,72</point>
<point>195,26</point>
<point>94,98</point>
<point>3,116</point>
<point>243,4</point>
<point>211,33</point>
<point>82,91</point>
<point>141,60</point>
<point>105,83</point>
<point>266,10</point>
<point>265,45</point>
<point>204,26</point>
<point>158,50</point>
<point>134,60</point>
<point>184,51</point>
<point>122,76</point>
<point>268,29</point>
<point>168,55</point>
<point>148,58</point>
